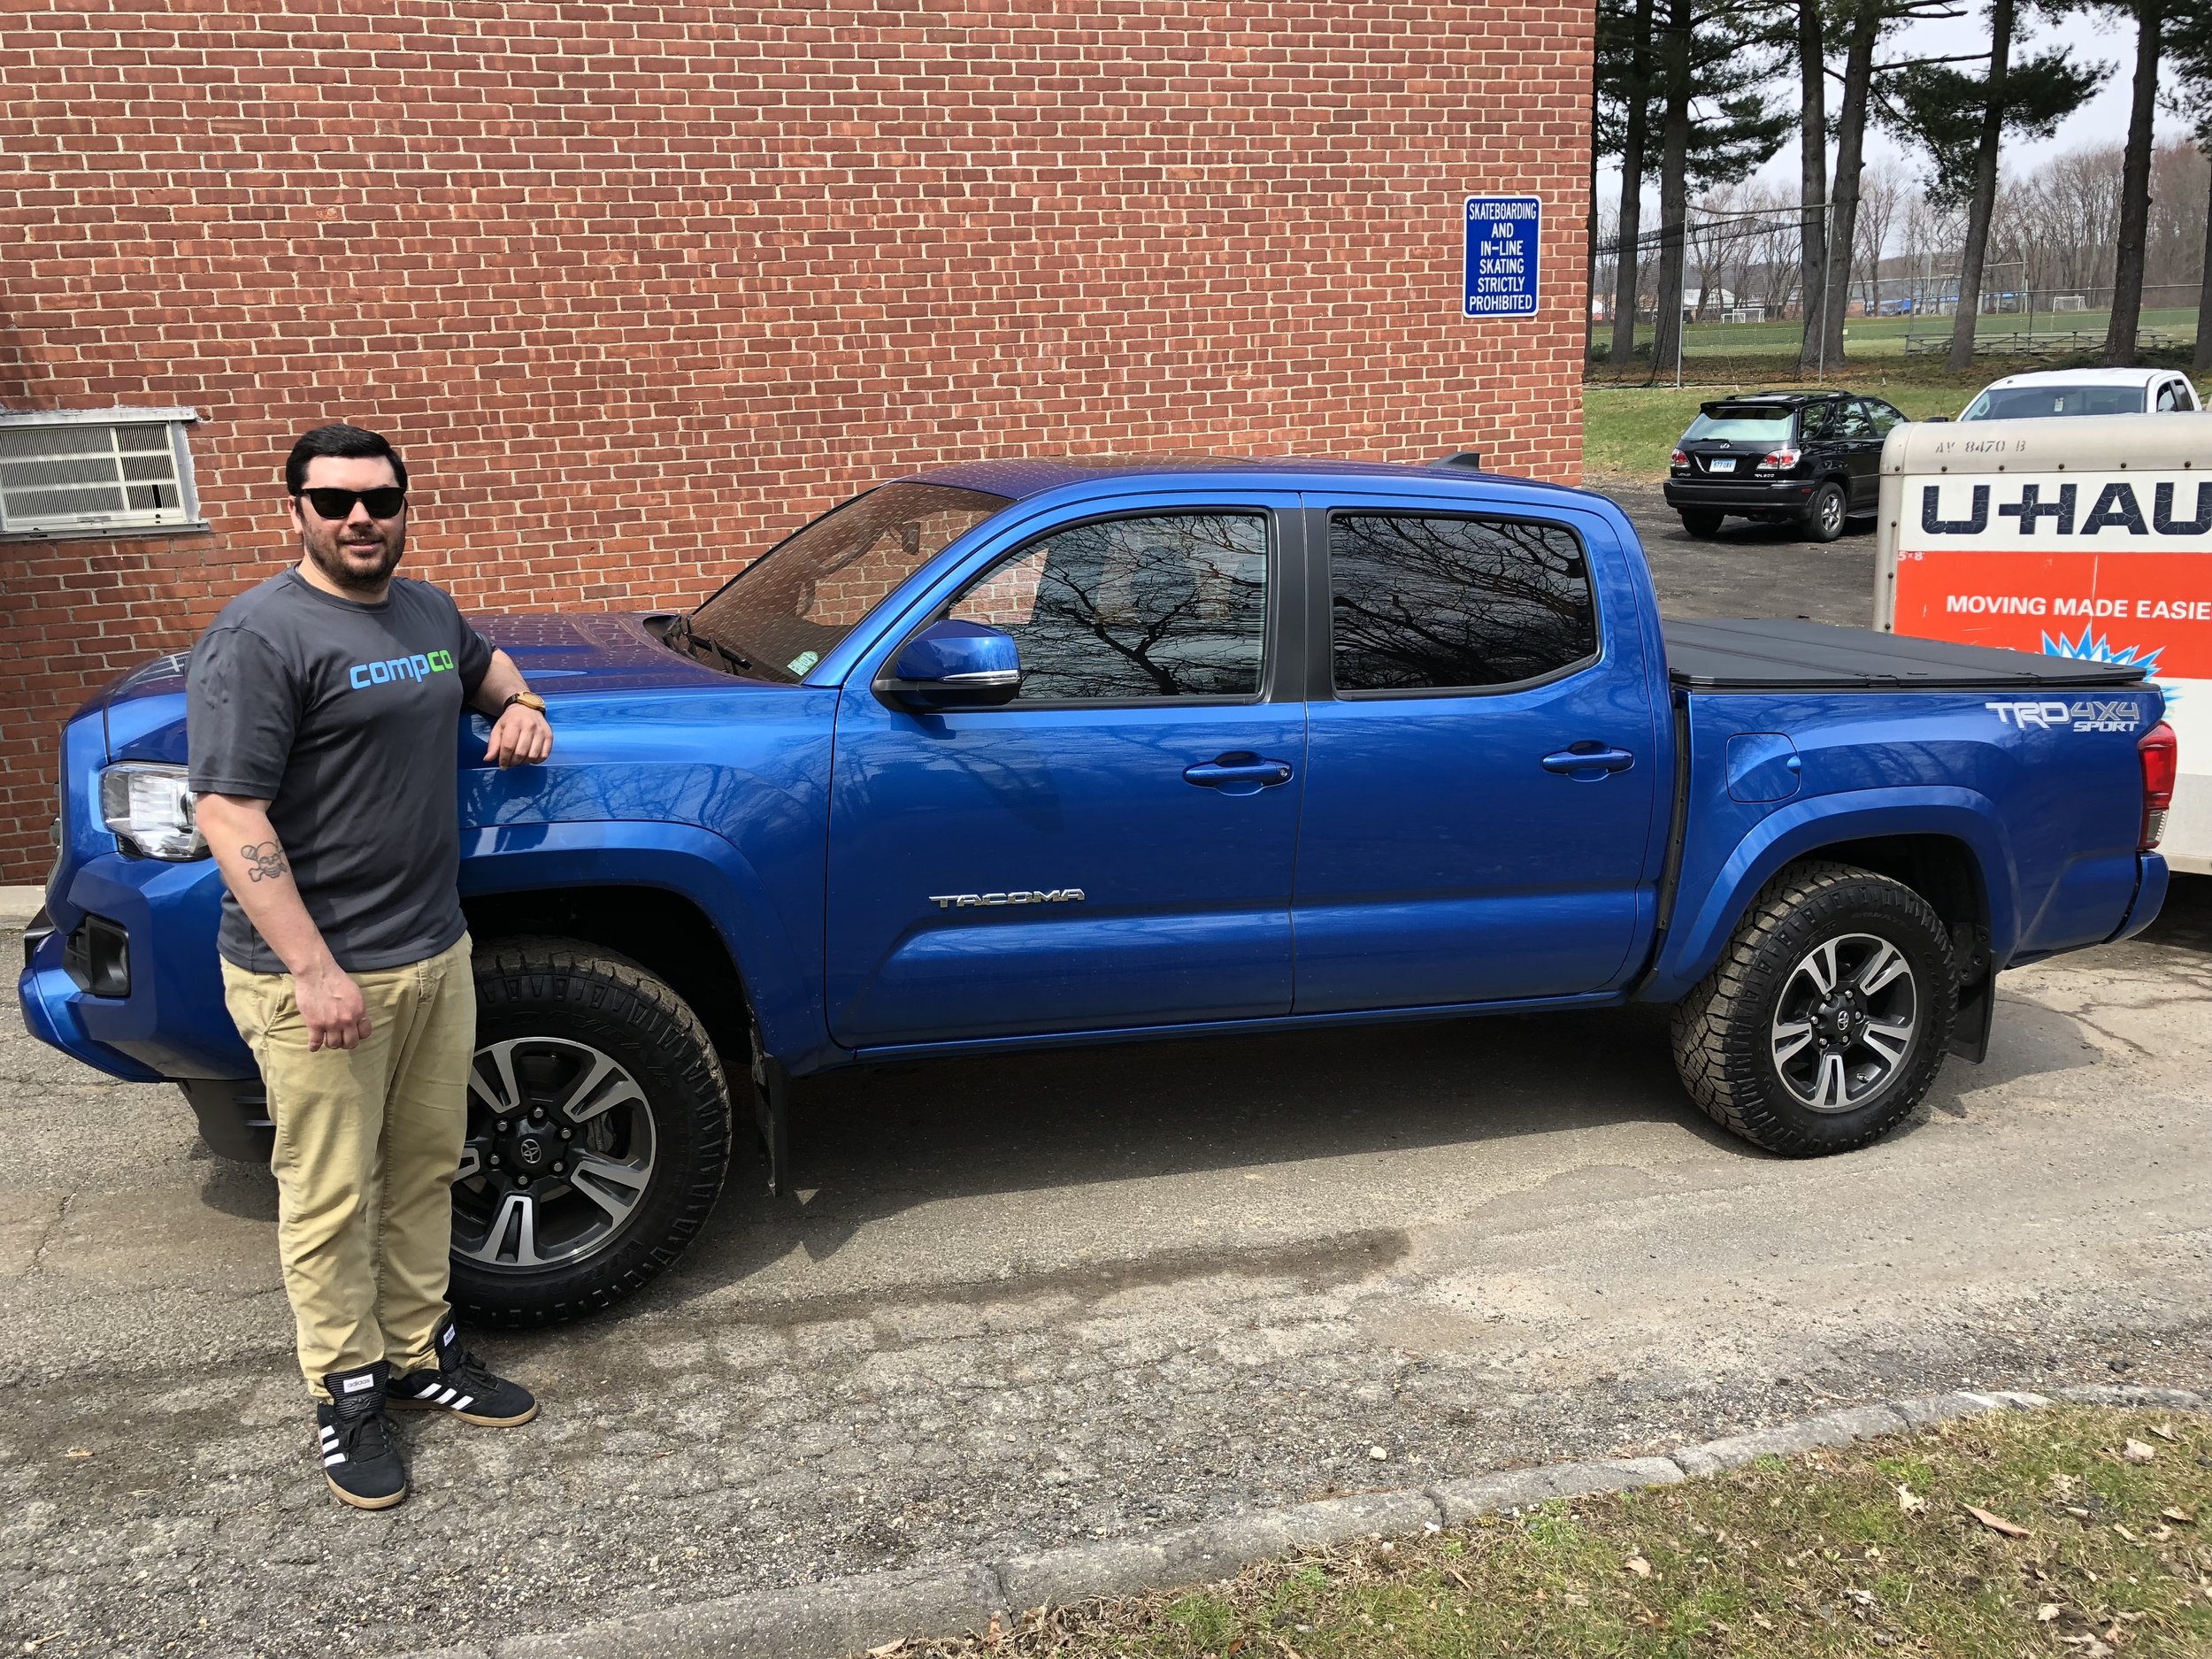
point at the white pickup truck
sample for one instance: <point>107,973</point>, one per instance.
<point>2087,536</point>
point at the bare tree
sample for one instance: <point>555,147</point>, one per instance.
<point>1727,231</point>
<point>1880,197</point>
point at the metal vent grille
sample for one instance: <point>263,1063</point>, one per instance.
<point>72,473</point>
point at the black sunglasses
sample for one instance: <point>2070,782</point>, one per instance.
<point>337,504</point>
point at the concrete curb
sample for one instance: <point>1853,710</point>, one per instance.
<point>19,904</point>
<point>828,1621</point>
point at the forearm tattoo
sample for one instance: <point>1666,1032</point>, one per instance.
<point>264,861</point>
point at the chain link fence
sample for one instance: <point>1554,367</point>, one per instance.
<point>1743,315</point>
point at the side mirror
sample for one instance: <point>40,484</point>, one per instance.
<point>953,664</point>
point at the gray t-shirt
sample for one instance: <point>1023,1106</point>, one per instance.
<point>345,718</point>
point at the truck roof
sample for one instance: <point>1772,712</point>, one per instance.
<point>1021,477</point>
<point>2082,377</point>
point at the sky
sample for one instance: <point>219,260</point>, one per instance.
<point>2103,120</point>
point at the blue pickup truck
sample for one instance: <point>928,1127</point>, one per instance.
<point>1051,752</point>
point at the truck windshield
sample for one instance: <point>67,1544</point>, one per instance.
<point>2033,402</point>
<point>1742,425</point>
<point>784,612</point>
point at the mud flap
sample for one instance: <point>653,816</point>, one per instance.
<point>1977,993</point>
<point>771,1117</point>
<point>1977,1012</point>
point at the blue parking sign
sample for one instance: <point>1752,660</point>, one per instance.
<point>1503,233</point>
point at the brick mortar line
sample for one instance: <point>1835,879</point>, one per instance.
<point>843,1616</point>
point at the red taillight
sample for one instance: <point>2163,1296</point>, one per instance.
<point>1779,461</point>
<point>2159,755</point>
<point>1681,459</point>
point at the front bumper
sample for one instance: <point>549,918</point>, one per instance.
<point>171,1022</point>
<point>1739,494</point>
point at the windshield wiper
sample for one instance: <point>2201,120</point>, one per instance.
<point>680,635</point>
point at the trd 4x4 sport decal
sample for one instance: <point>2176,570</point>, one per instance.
<point>2068,716</point>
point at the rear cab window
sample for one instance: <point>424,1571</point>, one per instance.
<point>1430,602</point>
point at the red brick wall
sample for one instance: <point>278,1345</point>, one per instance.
<point>636,285</point>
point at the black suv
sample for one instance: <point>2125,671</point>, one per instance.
<point>1814,458</point>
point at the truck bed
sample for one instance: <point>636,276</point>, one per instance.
<point>1765,654</point>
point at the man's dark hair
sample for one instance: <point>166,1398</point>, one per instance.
<point>351,443</point>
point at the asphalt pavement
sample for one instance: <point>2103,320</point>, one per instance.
<point>1751,570</point>
<point>1036,1300</point>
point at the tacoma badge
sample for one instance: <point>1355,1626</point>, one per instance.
<point>1042,895</point>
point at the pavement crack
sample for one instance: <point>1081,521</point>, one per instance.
<point>52,1230</point>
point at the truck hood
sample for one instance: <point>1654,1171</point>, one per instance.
<point>142,713</point>
<point>594,651</point>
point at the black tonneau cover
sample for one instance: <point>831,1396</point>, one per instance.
<point>1758,654</point>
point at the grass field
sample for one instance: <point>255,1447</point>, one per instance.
<point>1629,430</point>
<point>1873,1549</point>
<point>2007,333</point>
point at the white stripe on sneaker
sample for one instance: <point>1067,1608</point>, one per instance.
<point>445,1396</point>
<point>464,1402</point>
<point>336,1457</point>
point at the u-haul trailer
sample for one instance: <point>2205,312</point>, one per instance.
<point>2089,536</point>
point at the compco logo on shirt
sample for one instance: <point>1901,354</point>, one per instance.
<point>361,676</point>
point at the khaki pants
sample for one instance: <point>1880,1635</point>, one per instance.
<point>368,1139</point>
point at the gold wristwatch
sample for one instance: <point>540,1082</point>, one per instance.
<point>527,699</point>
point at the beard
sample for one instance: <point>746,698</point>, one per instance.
<point>358,567</point>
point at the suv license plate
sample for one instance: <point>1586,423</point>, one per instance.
<point>1720,464</point>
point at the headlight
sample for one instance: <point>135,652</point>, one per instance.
<point>150,812</point>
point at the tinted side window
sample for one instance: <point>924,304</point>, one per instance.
<point>2168,397</point>
<point>1170,606</point>
<point>1420,601</point>
<point>1883,416</point>
<point>1852,423</point>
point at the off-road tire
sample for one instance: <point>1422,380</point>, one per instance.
<point>1723,1041</point>
<point>1826,513</point>
<point>584,993</point>
<point>1703,525</point>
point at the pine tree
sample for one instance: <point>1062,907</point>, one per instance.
<point>2189,46</point>
<point>2135,184</point>
<point>1718,124</point>
<point>1960,119</point>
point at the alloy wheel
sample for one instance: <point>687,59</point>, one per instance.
<point>559,1154</point>
<point>1845,1021</point>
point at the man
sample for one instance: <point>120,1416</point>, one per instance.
<point>323,710</point>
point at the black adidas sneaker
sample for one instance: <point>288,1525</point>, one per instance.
<point>464,1386</point>
<point>360,1459</point>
